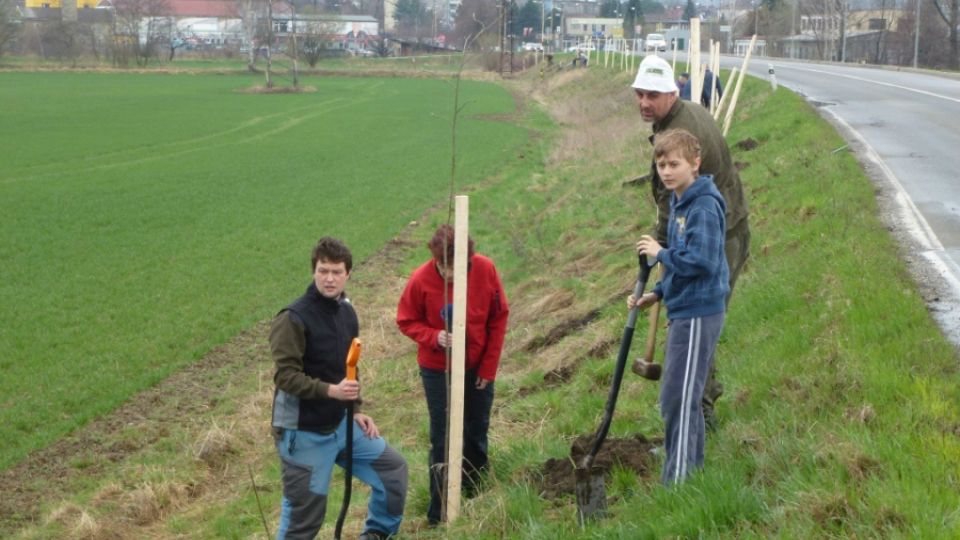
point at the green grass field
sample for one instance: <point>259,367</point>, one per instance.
<point>839,418</point>
<point>148,218</point>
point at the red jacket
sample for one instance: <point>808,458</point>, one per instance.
<point>420,316</point>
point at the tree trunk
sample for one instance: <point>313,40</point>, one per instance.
<point>951,20</point>
<point>296,51</point>
<point>878,53</point>
<point>269,83</point>
<point>954,43</point>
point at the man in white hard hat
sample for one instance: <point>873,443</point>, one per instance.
<point>657,97</point>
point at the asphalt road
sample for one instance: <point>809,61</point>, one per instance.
<point>905,128</point>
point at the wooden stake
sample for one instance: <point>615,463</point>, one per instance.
<point>696,80</point>
<point>730,80</point>
<point>673,64</point>
<point>457,362</point>
<point>715,68</point>
<point>626,64</point>
<point>736,92</point>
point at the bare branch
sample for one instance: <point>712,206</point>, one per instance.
<point>942,13</point>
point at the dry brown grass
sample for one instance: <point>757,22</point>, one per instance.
<point>597,126</point>
<point>77,522</point>
<point>215,446</point>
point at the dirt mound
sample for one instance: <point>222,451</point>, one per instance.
<point>277,90</point>
<point>747,144</point>
<point>633,454</point>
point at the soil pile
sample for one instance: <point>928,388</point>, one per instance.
<point>634,454</point>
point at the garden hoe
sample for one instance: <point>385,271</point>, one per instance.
<point>590,490</point>
<point>353,356</point>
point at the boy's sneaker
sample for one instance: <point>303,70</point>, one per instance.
<point>372,534</point>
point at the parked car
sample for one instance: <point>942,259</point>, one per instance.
<point>534,47</point>
<point>655,42</point>
<point>585,47</point>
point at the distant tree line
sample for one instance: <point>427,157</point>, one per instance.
<point>140,31</point>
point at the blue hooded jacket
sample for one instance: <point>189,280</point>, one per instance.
<point>696,280</point>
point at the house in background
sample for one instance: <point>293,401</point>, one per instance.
<point>55,30</point>
<point>346,32</point>
<point>863,39</point>
<point>76,10</point>
<point>582,26</point>
<point>199,23</point>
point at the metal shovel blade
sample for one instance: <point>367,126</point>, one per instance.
<point>591,493</point>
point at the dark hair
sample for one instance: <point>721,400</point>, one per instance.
<point>444,238</point>
<point>331,250</point>
<point>677,140</point>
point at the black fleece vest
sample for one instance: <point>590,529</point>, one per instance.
<point>330,325</point>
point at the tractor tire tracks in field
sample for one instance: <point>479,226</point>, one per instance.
<point>249,131</point>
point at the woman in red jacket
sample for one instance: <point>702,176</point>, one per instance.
<point>423,316</point>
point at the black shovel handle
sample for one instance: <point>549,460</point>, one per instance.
<point>347,474</point>
<point>601,435</point>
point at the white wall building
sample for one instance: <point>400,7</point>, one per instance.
<point>593,27</point>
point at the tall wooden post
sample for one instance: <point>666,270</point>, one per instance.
<point>623,54</point>
<point>673,63</point>
<point>728,119</point>
<point>723,99</point>
<point>457,362</point>
<point>696,79</point>
<point>715,68</point>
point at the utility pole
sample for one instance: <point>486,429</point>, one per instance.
<point>916,35</point>
<point>543,14</point>
<point>793,29</point>
<point>843,31</point>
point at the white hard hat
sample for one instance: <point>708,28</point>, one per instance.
<point>655,75</point>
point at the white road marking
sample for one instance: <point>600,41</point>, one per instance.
<point>891,85</point>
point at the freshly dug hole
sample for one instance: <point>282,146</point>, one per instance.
<point>633,454</point>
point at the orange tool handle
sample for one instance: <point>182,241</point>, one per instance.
<point>353,356</point>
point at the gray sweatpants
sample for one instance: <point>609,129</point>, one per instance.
<point>689,353</point>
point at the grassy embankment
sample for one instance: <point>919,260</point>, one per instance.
<point>839,418</point>
<point>148,219</point>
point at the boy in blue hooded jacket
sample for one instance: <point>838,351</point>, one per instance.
<point>694,288</point>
